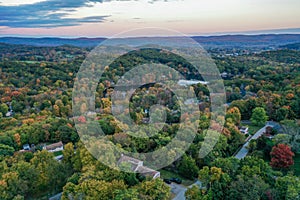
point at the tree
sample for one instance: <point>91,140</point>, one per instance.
<point>129,194</point>
<point>17,139</point>
<point>259,116</point>
<point>288,187</point>
<point>242,106</point>
<point>209,175</point>
<point>281,114</point>
<point>282,139</point>
<point>292,129</point>
<point>11,186</point>
<point>52,174</point>
<point>68,154</point>
<point>282,156</point>
<point>250,188</point>
<point>6,150</point>
<point>252,166</point>
<point>154,189</point>
<point>235,114</point>
<point>93,189</point>
<point>193,193</point>
<point>228,165</point>
<point>27,175</point>
<point>3,109</point>
<point>188,168</point>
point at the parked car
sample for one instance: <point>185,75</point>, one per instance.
<point>176,180</point>
<point>168,181</point>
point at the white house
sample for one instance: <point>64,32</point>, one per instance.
<point>137,167</point>
<point>244,130</point>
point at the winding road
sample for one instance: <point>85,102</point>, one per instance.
<point>244,150</point>
<point>179,190</point>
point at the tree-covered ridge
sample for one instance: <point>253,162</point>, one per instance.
<point>36,91</point>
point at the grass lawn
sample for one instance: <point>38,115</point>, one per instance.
<point>252,129</point>
<point>58,153</point>
<point>168,174</point>
<point>297,164</point>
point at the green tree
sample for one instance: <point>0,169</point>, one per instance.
<point>187,167</point>
<point>259,116</point>
<point>129,194</point>
<point>154,189</point>
<point>250,188</point>
<point>288,187</point>
<point>6,150</point>
<point>228,165</point>
<point>3,109</point>
<point>292,129</point>
<point>52,174</point>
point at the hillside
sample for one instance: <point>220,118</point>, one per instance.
<point>240,41</point>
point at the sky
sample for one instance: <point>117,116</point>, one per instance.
<point>106,18</point>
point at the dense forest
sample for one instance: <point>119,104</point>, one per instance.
<point>36,85</point>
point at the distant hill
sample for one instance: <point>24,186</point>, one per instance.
<point>225,41</point>
<point>79,42</point>
<point>268,40</point>
<point>294,46</point>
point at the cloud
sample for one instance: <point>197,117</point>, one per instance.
<point>50,13</point>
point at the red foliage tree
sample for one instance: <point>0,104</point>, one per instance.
<point>282,156</point>
<point>81,119</point>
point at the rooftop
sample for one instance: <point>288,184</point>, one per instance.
<point>54,146</point>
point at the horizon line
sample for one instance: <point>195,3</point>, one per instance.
<point>283,31</point>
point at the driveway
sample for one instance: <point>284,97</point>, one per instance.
<point>179,190</point>
<point>244,150</point>
<point>56,197</point>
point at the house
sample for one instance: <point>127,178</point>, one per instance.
<point>146,120</point>
<point>224,75</point>
<point>137,167</point>
<point>9,114</point>
<point>269,132</point>
<point>54,147</point>
<point>244,130</point>
<point>26,147</point>
<point>145,171</point>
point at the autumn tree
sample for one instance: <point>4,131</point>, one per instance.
<point>194,193</point>
<point>282,156</point>
<point>235,114</point>
<point>215,183</point>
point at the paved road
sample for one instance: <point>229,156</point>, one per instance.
<point>180,190</point>
<point>244,151</point>
<point>56,197</point>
